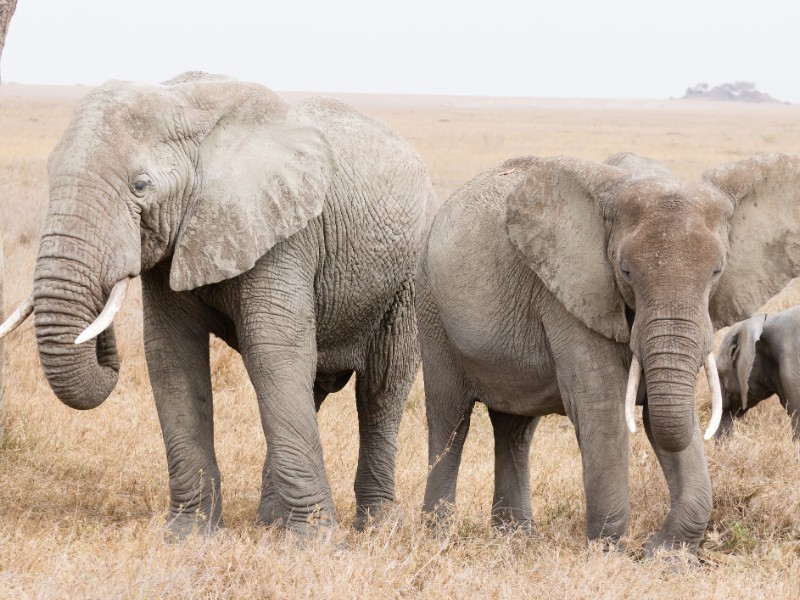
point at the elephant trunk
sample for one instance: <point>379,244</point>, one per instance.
<point>81,375</point>
<point>671,353</point>
<point>74,276</point>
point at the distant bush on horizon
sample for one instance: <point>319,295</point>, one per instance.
<point>737,91</point>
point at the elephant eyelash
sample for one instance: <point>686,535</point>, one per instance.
<point>140,187</point>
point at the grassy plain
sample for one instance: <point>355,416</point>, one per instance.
<point>83,495</point>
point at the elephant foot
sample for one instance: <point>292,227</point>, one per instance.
<point>375,514</point>
<point>514,528</point>
<point>607,545</point>
<point>269,513</point>
<point>439,515</point>
<point>318,525</point>
<point>507,522</point>
<point>183,526</point>
<point>678,553</point>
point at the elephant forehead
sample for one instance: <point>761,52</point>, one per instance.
<point>668,203</point>
<point>110,123</point>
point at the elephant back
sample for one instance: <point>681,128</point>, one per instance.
<point>389,175</point>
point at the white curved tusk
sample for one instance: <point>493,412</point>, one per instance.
<point>716,396</point>
<point>106,317</point>
<point>16,319</point>
<point>634,376</point>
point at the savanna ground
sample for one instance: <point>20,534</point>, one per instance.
<point>83,495</point>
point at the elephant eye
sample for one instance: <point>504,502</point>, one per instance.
<point>717,271</point>
<point>626,272</point>
<point>140,186</point>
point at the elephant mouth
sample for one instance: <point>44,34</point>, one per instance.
<point>712,375</point>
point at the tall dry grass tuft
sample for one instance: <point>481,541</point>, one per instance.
<point>83,494</point>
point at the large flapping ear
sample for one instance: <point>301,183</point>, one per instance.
<point>744,353</point>
<point>764,233</point>
<point>555,219</point>
<point>264,171</point>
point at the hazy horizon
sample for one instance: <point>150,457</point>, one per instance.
<point>619,49</point>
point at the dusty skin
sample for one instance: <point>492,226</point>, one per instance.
<point>83,494</point>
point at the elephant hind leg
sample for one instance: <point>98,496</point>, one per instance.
<point>449,399</point>
<point>511,506</point>
<point>391,363</point>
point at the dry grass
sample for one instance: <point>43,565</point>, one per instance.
<point>83,495</point>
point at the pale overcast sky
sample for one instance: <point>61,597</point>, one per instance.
<point>559,48</point>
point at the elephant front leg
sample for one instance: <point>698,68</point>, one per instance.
<point>790,399</point>
<point>603,441</point>
<point>511,506</point>
<point>279,352</point>
<point>269,509</point>
<point>592,376</point>
<point>176,349</point>
<point>689,485</point>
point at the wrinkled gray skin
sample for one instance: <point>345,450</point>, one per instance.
<point>541,276</point>
<point>291,232</point>
<point>760,357</point>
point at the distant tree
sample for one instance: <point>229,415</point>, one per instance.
<point>738,91</point>
<point>743,86</point>
<point>7,8</point>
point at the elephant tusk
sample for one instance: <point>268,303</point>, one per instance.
<point>16,319</point>
<point>634,376</point>
<point>716,396</point>
<point>106,317</point>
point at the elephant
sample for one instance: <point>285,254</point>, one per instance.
<point>546,285</point>
<point>760,357</point>
<point>290,231</point>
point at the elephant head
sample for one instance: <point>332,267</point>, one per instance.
<point>736,357</point>
<point>203,171</point>
<point>658,263</point>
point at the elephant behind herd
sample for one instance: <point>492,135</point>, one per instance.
<point>304,237</point>
<point>584,274</point>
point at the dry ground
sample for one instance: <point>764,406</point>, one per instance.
<point>83,495</point>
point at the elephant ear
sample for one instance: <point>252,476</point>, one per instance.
<point>763,234</point>
<point>744,352</point>
<point>555,220</point>
<point>264,171</point>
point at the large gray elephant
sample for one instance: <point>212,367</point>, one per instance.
<point>289,231</point>
<point>760,357</point>
<point>545,286</point>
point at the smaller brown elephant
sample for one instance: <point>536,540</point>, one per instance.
<point>759,357</point>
